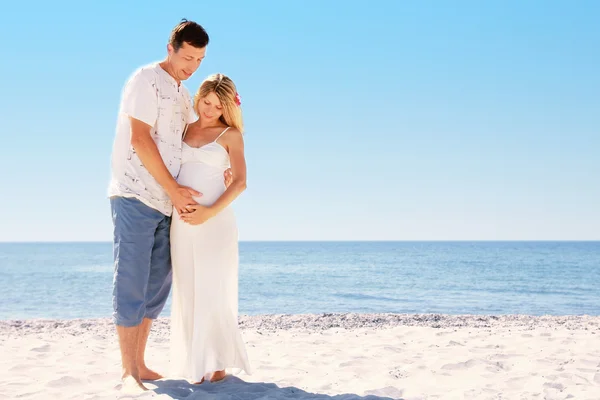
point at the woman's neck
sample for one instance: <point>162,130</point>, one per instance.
<point>203,125</point>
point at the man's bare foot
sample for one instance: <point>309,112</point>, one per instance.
<point>146,374</point>
<point>217,376</point>
<point>132,385</point>
<point>201,380</point>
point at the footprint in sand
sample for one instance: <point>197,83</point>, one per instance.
<point>504,356</point>
<point>589,363</point>
<point>42,349</point>
<point>497,366</point>
<point>98,376</point>
<point>398,373</point>
<point>587,370</point>
<point>351,363</point>
<point>20,367</point>
<point>517,383</point>
<point>28,394</point>
<point>491,346</point>
<point>392,349</point>
<point>568,341</point>
<point>490,365</point>
<point>64,381</point>
<point>580,380</point>
<point>554,385</point>
<point>546,362</point>
<point>388,391</point>
<point>461,365</point>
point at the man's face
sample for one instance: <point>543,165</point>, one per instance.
<point>186,60</point>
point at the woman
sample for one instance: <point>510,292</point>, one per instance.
<point>205,339</point>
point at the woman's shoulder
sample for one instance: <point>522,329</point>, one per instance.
<point>232,132</point>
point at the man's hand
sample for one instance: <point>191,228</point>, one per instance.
<point>228,176</point>
<point>181,197</point>
<point>197,214</point>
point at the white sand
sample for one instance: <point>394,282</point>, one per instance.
<point>321,357</point>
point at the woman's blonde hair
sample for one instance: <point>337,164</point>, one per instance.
<point>226,91</point>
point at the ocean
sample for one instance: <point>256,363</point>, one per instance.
<point>74,280</point>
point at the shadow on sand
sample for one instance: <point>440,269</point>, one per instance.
<point>236,389</point>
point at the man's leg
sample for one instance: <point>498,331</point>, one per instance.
<point>128,341</point>
<point>134,226</point>
<point>145,373</point>
<point>159,286</point>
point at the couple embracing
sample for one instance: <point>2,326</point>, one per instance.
<point>177,165</point>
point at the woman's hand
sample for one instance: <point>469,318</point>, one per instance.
<point>228,177</point>
<point>197,214</point>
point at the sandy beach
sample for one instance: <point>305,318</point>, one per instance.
<point>339,356</point>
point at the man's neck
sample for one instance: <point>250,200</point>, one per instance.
<point>166,66</point>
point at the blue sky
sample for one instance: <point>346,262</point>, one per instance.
<point>390,120</point>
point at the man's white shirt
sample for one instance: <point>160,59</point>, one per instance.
<point>152,96</point>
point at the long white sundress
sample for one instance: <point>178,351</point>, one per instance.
<point>204,317</point>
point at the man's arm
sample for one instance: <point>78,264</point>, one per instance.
<point>146,149</point>
<point>140,103</point>
<point>148,153</point>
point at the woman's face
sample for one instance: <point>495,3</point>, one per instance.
<point>210,108</point>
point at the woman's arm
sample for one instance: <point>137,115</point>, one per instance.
<point>235,146</point>
<point>234,142</point>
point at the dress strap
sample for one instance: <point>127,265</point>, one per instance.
<point>185,132</point>
<point>221,134</point>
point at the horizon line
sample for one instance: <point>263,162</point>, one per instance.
<point>323,241</point>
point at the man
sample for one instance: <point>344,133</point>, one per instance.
<point>154,113</point>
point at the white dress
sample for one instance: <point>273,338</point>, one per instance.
<point>204,311</point>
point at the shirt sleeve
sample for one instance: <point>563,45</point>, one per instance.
<point>140,99</point>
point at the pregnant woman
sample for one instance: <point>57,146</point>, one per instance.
<point>205,339</point>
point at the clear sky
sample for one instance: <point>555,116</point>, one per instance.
<point>383,120</point>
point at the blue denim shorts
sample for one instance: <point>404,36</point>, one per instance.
<point>142,261</point>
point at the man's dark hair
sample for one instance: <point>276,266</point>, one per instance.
<point>190,33</point>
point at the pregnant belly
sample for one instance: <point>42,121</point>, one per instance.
<point>206,179</point>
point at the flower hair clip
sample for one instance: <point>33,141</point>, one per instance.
<point>238,100</point>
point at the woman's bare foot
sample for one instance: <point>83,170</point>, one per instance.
<point>146,374</point>
<point>217,376</point>
<point>201,380</point>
